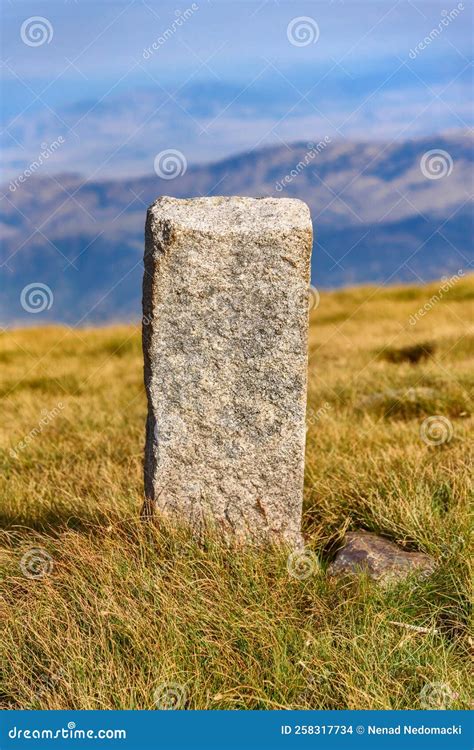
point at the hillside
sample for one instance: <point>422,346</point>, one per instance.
<point>123,609</point>
<point>377,219</point>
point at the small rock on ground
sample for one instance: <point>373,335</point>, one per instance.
<point>382,560</point>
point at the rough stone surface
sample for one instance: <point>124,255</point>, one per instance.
<point>225,302</point>
<point>381,559</point>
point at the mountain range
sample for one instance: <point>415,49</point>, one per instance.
<point>383,212</point>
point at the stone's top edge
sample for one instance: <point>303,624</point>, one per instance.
<point>220,215</point>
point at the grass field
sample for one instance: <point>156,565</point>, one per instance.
<point>114,613</point>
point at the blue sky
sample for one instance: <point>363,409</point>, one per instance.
<point>229,74</point>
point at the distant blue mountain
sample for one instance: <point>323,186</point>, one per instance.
<point>116,134</point>
<point>382,213</point>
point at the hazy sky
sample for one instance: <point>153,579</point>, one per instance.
<point>243,70</point>
<point>102,39</point>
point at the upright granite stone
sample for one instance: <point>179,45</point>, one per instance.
<point>225,304</point>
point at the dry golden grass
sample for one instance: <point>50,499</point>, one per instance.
<point>126,607</point>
